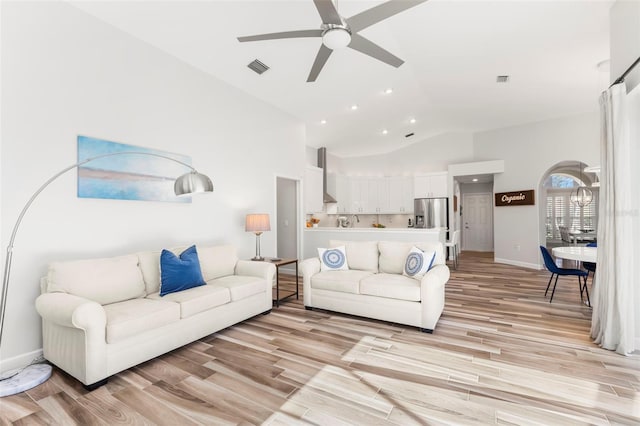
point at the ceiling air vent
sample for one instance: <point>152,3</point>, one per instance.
<point>408,135</point>
<point>502,79</point>
<point>258,66</point>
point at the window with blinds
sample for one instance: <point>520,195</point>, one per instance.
<point>562,212</point>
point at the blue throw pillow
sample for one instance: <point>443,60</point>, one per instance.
<point>179,273</point>
<point>334,259</point>
<point>418,263</point>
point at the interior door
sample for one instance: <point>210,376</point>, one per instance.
<point>477,222</point>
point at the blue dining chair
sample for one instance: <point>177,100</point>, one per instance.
<point>557,271</point>
<point>590,267</point>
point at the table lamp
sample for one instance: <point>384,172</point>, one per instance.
<point>257,223</point>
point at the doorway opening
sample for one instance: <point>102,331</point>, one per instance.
<point>564,222</point>
<point>287,220</point>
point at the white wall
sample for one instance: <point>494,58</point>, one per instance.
<point>430,155</point>
<point>624,24</point>
<point>528,152</point>
<point>65,73</point>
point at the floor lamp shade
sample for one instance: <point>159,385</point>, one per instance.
<point>257,223</point>
<point>32,375</point>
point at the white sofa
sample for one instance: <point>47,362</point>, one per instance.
<point>374,285</point>
<point>102,316</point>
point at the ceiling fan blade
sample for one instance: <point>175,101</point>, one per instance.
<point>376,14</point>
<point>285,34</point>
<point>321,59</point>
<point>328,12</point>
<point>367,47</point>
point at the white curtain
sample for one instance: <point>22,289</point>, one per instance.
<point>617,287</point>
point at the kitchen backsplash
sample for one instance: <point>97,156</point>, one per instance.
<point>366,220</point>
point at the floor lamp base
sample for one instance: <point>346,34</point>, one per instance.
<point>257,258</point>
<point>30,377</point>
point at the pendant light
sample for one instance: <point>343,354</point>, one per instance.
<point>582,196</point>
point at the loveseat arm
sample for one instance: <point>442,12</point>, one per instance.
<point>256,269</point>
<point>432,294</point>
<point>74,335</point>
<point>68,310</point>
<point>309,268</point>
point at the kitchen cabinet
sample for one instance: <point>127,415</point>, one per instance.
<point>338,186</point>
<point>378,196</point>
<point>313,202</point>
<point>400,195</point>
<point>359,195</point>
<point>431,185</point>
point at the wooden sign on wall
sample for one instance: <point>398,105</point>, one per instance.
<point>516,198</point>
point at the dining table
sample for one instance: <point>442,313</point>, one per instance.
<point>578,253</point>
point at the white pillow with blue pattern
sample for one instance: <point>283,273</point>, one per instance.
<point>418,263</point>
<point>333,259</point>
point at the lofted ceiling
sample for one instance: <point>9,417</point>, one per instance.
<point>453,51</point>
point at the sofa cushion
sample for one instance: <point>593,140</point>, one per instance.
<point>197,299</point>
<point>240,286</point>
<point>334,259</point>
<point>150,267</point>
<point>217,261</point>
<point>106,280</point>
<point>135,316</point>
<point>343,281</point>
<point>393,254</point>
<point>361,255</point>
<point>418,262</point>
<point>178,273</point>
<point>391,286</point>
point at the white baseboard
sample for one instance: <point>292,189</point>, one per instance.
<point>516,263</point>
<point>19,361</point>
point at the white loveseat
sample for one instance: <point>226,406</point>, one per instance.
<point>374,285</point>
<point>102,316</point>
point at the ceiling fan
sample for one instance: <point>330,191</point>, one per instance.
<point>337,32</point>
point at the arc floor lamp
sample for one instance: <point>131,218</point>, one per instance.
<point>32,375</point>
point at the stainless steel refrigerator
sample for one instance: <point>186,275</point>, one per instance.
<point>431,212</point>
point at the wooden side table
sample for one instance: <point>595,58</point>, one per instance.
<point>278,263</point>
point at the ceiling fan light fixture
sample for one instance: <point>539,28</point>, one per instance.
<point>336,37</point>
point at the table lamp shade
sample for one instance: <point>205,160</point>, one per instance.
<point>257,222</point>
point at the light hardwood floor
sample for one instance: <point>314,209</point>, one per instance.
<point>501,354</point>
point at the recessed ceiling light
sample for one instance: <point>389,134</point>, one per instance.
<point>323,121</point>
<point>385,131</point>
<point>474,180</point>
<point>388,91</point>
<point>354,107</point>
<point>412,120</point>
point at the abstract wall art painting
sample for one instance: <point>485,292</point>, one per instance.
<point>130,175</point>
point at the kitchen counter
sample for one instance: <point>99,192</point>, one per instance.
<point>372,229</point>
<point>320,237</point>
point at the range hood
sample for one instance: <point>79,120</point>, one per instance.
<point>322,163</point>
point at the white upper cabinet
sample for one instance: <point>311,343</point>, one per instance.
<point>378,198</point>
<point>342,193</point>
<point>430,185</point>
<point>359,194</point>
<point>313,202</point>
<point>400,195</point>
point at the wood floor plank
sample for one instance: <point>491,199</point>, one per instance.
<point>501,354</point>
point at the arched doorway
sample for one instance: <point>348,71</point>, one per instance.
<point>562,219</point>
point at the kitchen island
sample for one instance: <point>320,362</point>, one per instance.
<point>320,237</point>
